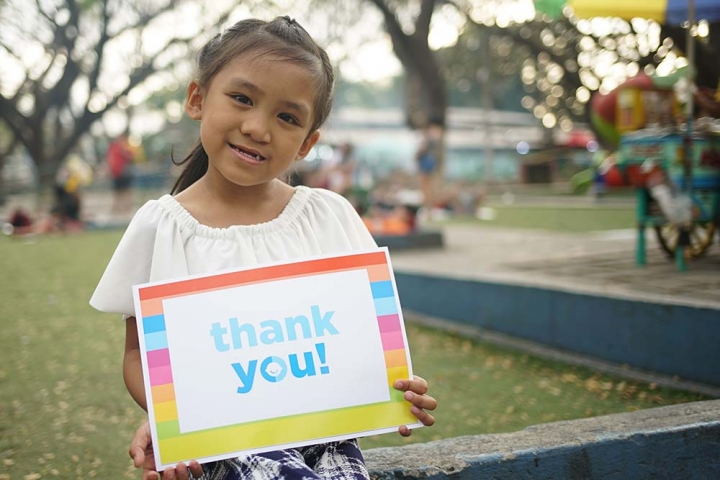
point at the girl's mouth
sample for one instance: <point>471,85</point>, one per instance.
<point>248,155</point>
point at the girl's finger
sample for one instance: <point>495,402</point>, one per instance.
<point>417,385</point>
<point>196,469</point>
<point>137,454</point>
<point>181,471</point>
<point>404,431</point>
<point>424,417</point>
<point>421,401</point>
<point>150,475</point>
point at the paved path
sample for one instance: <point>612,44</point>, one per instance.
<point>601,263</point>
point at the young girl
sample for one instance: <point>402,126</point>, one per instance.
<point>262,91</point>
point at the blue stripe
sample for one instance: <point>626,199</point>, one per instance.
<point>156,341</point>
<point>385,306</point>
<point>382,289</point>
<point>154,324</point>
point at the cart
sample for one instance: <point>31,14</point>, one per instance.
<point>641,154</point>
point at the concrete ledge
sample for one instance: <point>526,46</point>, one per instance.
<point>414,240</point>
<point>679,441</point>
<point>674,340</point>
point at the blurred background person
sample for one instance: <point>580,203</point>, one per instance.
<point>120,157</point>
<point>20,222</point>
<point>341,171</point>
<point>428,157</point>
<point>65,215</point>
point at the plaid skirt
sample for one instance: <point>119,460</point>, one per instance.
<point>327,461</point>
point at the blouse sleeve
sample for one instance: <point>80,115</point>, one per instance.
<point>130,264</point>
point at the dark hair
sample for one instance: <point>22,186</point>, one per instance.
<point>283,37</point>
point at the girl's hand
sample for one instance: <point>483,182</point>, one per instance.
<point>416,393</point>
<point>141,451</point>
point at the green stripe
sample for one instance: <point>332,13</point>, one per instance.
<point>168,429</point>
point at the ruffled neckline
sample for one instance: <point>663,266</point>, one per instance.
<point>287,217</point>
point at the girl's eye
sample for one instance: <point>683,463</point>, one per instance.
<point>242,99</point>
<point>286,117</point>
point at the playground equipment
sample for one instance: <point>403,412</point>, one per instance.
<point>651,144</point>
<point>684,214</point>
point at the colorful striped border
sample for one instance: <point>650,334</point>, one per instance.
<point>174,446</point>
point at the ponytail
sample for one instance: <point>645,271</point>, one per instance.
<point>196,166</point>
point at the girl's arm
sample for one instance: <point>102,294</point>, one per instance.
<point>132,365</point>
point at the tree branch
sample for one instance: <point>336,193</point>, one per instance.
<point>422,23</point>
<point>14,120</point>
<point>42,12</point>
<point>400,41</point>
<point>99,50</point>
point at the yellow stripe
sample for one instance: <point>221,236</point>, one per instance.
<point>165,411</point>
<point>297,428</point>
<point>397,373</point>
<point>651,9</point>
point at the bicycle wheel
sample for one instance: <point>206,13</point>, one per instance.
<point>701,237</point>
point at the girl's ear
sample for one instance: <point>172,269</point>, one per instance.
<point>307,145</point>
<point>194,101</point>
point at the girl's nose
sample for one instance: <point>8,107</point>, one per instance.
<point>256,127</point>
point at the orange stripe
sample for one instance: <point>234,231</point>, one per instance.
<point>378,273</point>
<point>274,272</point>
<point>163,393</point>
<point>152,307</point>
<point>395,358</point>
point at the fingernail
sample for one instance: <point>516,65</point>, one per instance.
<point>409,396</point>
<point>398,384</point>
<point>415,410</point>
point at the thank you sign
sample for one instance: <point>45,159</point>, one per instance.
<point>273,357</point>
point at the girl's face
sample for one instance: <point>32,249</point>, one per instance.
<point>255,119</point>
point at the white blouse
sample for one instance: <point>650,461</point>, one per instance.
<point>164,241</point>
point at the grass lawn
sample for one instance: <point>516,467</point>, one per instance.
<point>65,413</point>
<point>563,219</point>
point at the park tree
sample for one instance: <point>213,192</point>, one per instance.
<point>562,61</point>
<point>426,92</point>
<point>66,63</point>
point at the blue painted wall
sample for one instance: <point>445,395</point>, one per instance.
<point>669,339</point>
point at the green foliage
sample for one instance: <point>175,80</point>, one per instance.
<point>582,180</point>
<point>461,63</point>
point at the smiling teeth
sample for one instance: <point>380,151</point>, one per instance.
<point>244,152</point>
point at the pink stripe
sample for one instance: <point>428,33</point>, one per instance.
<point>389,323</point>
<point>160,376</point>
<point>392,341</point>
<point>158,358</point>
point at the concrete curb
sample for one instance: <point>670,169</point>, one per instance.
<point>679,441</point>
